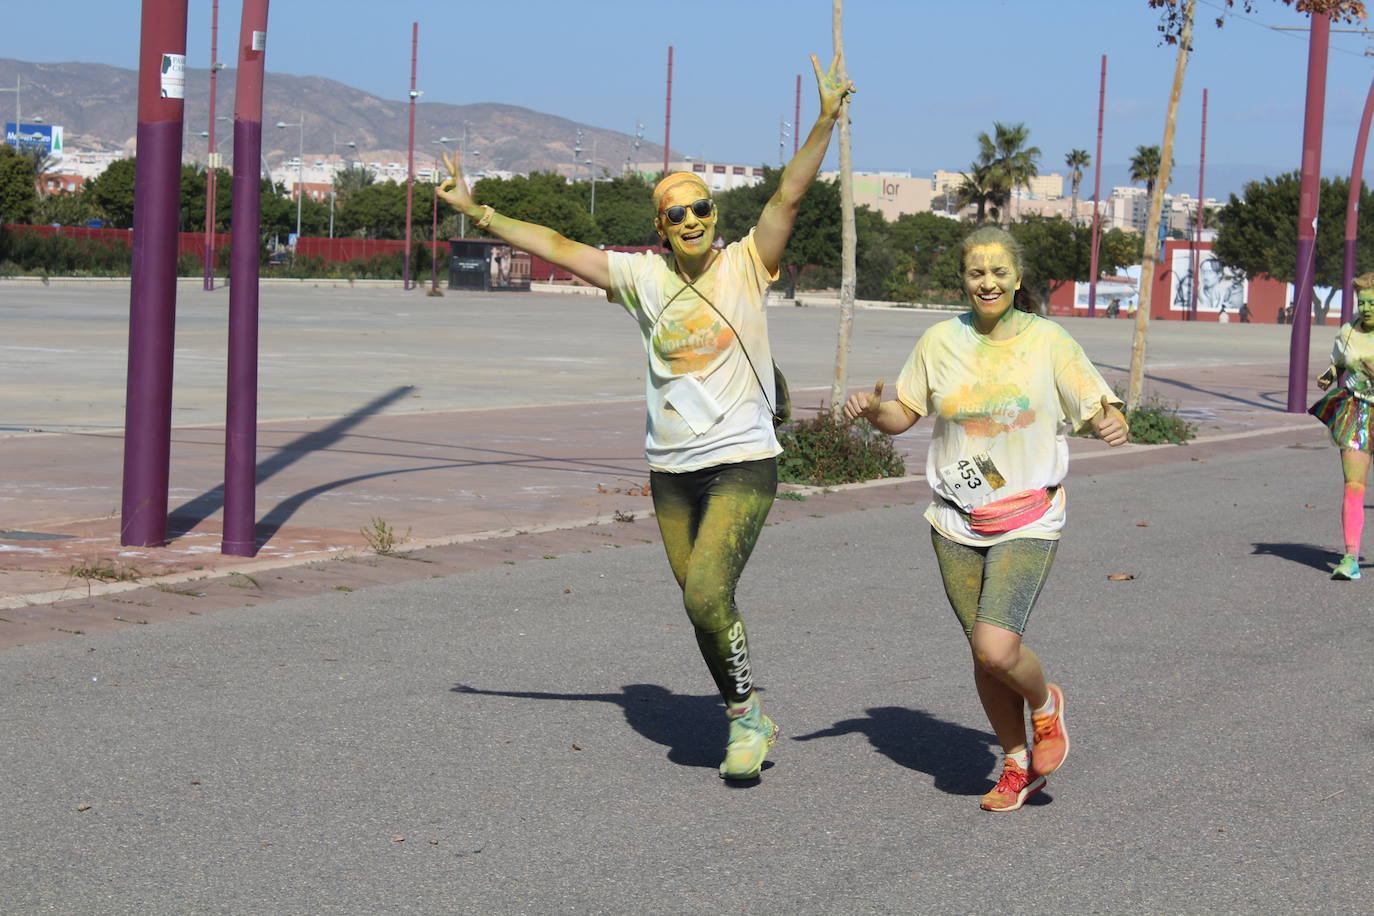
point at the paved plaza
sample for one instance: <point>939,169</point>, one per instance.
<point>513,718</point>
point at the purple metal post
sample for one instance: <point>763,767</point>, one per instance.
<point>1197,231</point>
<point>153,286</point>
<point>1352,209</point>
<point>241,394</point>
<point>410,149</point>
<point>1097,190</point>
<point>1307,212</point>
<point>668,113</point>
<point>209,280</point>
<point>434,238</point>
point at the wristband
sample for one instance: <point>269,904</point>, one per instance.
<point>486,216</point>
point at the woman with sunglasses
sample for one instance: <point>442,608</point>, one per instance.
<point>710,445</point>
<point>1348,413</point>
<point>1003,385</point>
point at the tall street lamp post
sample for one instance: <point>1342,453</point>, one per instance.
<point>211,154</point>
<point>17,118</point>
<point>334,183</point>
<point>300,170</point>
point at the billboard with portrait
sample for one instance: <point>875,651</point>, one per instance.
<point>1218,288</point>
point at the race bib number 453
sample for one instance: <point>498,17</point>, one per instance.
<point>970,482</point>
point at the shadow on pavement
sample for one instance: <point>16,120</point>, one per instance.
<point>1319,558</point>
<point>691,727</point>
<point>1268,400</point>
<point>959,758</point>
<point>189,514</point>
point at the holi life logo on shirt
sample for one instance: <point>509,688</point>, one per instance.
<point>693,343</point>
<point>988,409</point>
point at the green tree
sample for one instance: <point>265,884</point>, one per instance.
<point>1012,163</point>
<point>545,198</point>
<point>349,180</point>
<point>1058,252</point>
<point>875,256</point>
<point>64,210</point>
<point>1077,160</point>
<point>1145,167</point>
<point>625,212</point>
<point>920,244</point>
<point>18,193</point>
<point>374,211</point>
<point>982,188</point>
<point>815,240</point>
<point>1258,233</point>
<point>112,193</point>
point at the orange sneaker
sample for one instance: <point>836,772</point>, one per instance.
<point>1012,789</point>
<point>1051,743</point>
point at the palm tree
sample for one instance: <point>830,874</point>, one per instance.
<point>1077,160</point>
<point>1013,163</point>
<point>1145,167</point>
<point>981,188</point>
<point>350,180</point>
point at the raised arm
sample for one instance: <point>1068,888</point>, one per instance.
<point>775,224</point>
<point>583,261</point>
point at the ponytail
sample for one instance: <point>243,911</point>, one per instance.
<point>1024,300</point>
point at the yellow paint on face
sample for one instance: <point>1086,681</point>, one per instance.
<point>1364,302</point>
<point>991,281</point>
<point>690,239</point>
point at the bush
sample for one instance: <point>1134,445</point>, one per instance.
<point>824,451</point>
<point>1155,421</point>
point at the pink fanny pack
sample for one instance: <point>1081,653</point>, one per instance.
<point>1012,512</point>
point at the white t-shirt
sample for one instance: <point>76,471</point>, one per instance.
<point>705,405</point>
<point>1012,401</point>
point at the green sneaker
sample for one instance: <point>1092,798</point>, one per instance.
<point>751,735</point>
<point>1348,568</point>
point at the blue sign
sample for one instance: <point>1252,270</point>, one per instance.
<point>45,138</point>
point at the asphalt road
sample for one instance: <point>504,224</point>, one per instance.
<point>542,737</point>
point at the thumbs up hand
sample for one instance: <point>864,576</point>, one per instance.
<point>1109,424</point>
<point>864,405</point>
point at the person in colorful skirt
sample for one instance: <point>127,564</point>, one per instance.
<point>1348,412</point>
<point>1004,386</point>
<point>710,391</point>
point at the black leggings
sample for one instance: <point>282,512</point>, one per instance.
<point>710,520</point>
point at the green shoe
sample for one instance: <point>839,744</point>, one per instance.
<point>751,735</point>
<point>1348,568</point>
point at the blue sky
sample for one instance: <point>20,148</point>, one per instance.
<point>931,75</point>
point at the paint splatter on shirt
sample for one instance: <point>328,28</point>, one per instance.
<point>685,337</point>
<point>1352,348</point>
<point>1014,400</point>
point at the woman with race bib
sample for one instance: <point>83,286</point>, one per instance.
<point>711,395</point>
<point>1004,386</point>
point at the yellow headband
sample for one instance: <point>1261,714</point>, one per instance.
<point>672,180</point>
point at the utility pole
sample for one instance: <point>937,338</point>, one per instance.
<point>153,280</point>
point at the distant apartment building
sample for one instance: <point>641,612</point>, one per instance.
<point>1130,210</point>
<point>889,193</point>
<point>59,183</point>
<point>719,176</point>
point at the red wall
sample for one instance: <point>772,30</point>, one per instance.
<point>187,242</point>
<point>1265,295</point>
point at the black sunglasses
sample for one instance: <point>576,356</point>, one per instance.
<point>702,208</point>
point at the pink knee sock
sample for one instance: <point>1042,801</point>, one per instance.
<point>1352,517</point>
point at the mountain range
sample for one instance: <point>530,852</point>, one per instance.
<point>97,106</point>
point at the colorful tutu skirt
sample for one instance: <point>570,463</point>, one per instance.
<point>1349,419</point>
